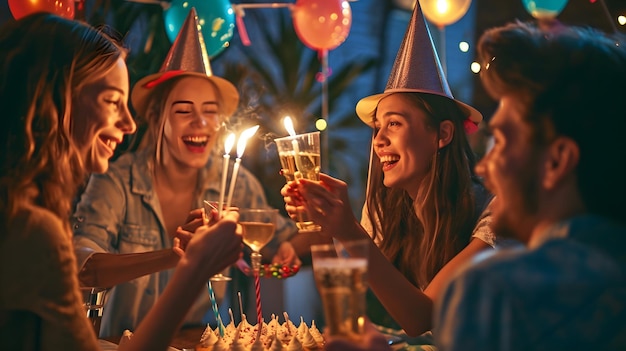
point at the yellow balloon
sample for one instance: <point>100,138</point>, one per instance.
<point>444,12</point>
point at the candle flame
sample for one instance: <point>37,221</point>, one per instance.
<point>289,126</point>
<point>243,139</point>
<point>228,144</point>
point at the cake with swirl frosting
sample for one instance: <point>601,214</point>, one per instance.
<point>272,336</point>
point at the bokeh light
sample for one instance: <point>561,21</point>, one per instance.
<point>475,67</point>
<point>321,124</point>
<point>464,46</point>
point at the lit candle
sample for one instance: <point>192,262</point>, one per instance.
<point>228,145</point>
<point>241,147</point>
<point>296,149</point>
<point>289,126</point>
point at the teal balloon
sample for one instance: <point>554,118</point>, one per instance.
<point>216,18</point>
<point>544,9</point>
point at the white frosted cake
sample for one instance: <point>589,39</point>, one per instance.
<point>273,336</point>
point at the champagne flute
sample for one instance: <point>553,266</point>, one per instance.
<point>258,226</point>
<point>300,159</point>
<point>209,206</point>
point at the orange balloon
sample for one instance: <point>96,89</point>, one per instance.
<point>322,24</point>
<point>21,8</point>
<point>444,12</point>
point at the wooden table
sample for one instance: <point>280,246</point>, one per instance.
<point>186,338</point>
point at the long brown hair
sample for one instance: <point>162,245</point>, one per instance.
<point>46,61</point>
<point>420,236</point>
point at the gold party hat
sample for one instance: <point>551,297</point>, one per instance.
<point>416,69</point>
<point>187,57</point>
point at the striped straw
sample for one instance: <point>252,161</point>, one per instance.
<point>220,325</point>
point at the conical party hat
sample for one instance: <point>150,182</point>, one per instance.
<point>187,57</point>
<point>417,69</point>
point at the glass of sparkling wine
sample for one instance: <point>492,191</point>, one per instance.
<point>258,226</point>
<point>340,272</point>
<point>300,159</point>
<point>210,206</point>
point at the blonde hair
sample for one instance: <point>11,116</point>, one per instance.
<point>156,114</point>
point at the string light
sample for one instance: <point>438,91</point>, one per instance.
<point>464,46</point>
<point>321,124</point>
<point>475,67</point>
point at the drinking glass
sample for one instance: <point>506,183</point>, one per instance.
<point>258,226</point>
<point>93,301</point>
<point>340,272</point>
<point>208,207</point>
<point>300,159</point>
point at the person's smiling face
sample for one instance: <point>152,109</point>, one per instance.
<point>404,142</point>
<point>511,171</point>
<point>101,118</point>
<point>192,122</point>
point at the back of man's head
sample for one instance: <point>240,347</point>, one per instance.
<point>573,82</point>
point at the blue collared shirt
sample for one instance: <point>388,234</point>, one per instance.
<point>565,291</point>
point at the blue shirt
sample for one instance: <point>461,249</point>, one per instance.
<point>565,291</point>
<point>119,212</point>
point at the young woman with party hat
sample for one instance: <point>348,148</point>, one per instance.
<point>139,205</point>
<point>425,210</point>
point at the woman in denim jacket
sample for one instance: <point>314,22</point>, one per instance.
<point>127,218</point>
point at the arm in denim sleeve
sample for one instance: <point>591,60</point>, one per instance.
<point>96,221</point>
<point>97,225</point>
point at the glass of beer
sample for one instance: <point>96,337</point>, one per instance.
<point>340,272</point>
<point>300,159</point>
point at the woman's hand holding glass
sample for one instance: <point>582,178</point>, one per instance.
<point>198,218</point>
<point>215,247</point>
<point>326,202</point>
<point>195,219</point>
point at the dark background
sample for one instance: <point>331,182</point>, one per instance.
<point>276,74</point>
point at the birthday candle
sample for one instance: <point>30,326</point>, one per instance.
<point>257,291</point>
<point>294,143</point>
<point>241,147</point>
<point>228,145</point>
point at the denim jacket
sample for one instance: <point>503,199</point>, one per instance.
<point>119,212</point>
